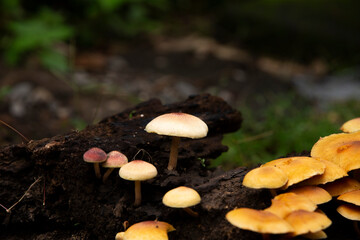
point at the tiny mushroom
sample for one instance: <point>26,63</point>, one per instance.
<point>182,197</point>
<point>147,230</point>
<point>177,125</point>
<point>114,160</point>
<point>138,170</point>
<point>96,156</point>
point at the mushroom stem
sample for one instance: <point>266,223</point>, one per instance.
<point>97,170</point>
<point>356,228</point>
<point>191,212</point>
<point>173,153</point>
<point>107,174</point>
<point>265,236</point>
<point>137,193</point>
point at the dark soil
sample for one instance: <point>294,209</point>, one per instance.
<point>68,202</point>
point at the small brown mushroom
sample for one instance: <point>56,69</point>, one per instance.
<point>96,156</point>
<point>115,159</point>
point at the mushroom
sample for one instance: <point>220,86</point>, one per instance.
<point>115,159</point>
<point>297,168</point>
<point>342,186</point>
<point>316,235</point>
<point>177,125</point>
<point>286,203</point>
<point>182,197</point>
<point>332,172</point>
<point>305,222</point>
<point>316,194</point>
<point>351,212</point>
<point>146,230</point>
<point>350,126</point>
<point>342,149</point>
<point>258,221</point>
<point>351,197</point>
<point>265,177</point>
<point>137,170</point>
<point>96,156</point>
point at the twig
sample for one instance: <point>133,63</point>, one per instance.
<point>22,197</point>
<point>12,128</point>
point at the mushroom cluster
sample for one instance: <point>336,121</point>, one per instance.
<point>307,182</point>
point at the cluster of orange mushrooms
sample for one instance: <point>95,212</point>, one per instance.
<point>176,125</point>
<point>304,183</point>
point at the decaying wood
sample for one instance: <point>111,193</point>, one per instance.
<point>71,203</point>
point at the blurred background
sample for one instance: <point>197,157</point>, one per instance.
<point>290,66</point>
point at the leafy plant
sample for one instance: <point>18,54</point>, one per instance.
<point>38,36</point>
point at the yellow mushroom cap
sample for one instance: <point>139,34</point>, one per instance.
<point>316,194</point>
<point>351,197</point>
<point>307,222</point>
<point>181,197</point>
<point>286,203</point>
<point>258,221</point>
<point>332,172</point>
<point>179,125</point>
<point>342,149</point>
<point>138,170</point>
<point>265,177</point>
<point>349,211</point>
<point>298,168</point>
<point>148,230</point>
<point>341,186</point>
<point>350,126</point>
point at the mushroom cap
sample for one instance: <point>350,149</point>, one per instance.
<point>148,230</point>
<point>258,221</point>
<point>341,186</point>
<point>351,197</point>
<point>138,170</point>
<point>349,211</point>
<point>350,126</point>
<point>307,222</point>
<point>316,235</point>
<point>298,168</point>
<point>285,203</point>
<point>265,177</point>
<point>95,155</point>
<point>316,194</point>
<point>331,173</point>
<point>115,159</point>
<point>181,197</point>
<point>179,125</point>
<point>342,149</point>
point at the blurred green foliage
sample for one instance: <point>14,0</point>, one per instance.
<point>293,29</point>
<point>284,125</point>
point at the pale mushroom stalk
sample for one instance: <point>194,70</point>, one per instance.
<point>137,201</point>
<point>173,153</point>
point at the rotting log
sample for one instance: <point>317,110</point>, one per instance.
<point>61,198</point>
